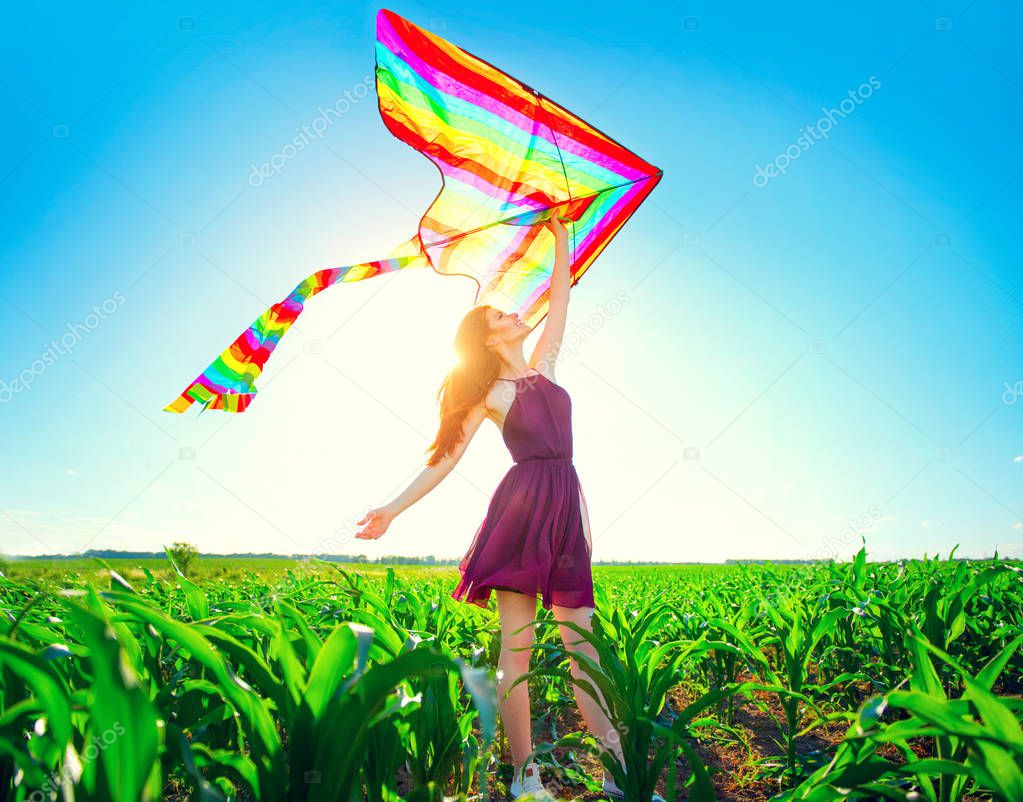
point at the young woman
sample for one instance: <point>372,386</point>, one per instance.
<point>535,538</point>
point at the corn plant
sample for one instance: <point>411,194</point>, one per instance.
<point>978,740</point>
<point>633,673</point>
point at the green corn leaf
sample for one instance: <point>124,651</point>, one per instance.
<point>195,598</point>
<point>45,685</point>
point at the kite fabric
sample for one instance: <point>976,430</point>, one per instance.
<point>509,158</point>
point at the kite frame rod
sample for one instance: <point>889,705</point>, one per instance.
<point>523,214</point>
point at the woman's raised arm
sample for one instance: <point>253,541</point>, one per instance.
<point>377,520</point>
<point>547,347</point>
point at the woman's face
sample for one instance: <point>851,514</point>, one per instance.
<point>505,328</point>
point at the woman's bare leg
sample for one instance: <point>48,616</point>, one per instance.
<point>516,610</point>
<point>596,720</point>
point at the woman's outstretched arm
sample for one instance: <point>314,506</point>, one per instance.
<point>377,520</point>
<point>547,347</point>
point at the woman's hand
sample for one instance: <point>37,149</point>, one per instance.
<point>378,521</point>
<point>556,223</point>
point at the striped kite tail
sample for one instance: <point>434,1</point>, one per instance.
<point>229,383</point>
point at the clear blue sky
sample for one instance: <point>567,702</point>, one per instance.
<point>829,351</point>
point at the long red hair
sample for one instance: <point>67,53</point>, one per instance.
<point>466,384</point>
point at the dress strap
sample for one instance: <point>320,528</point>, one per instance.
<point>500,379</point>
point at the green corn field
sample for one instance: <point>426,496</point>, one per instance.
<point>312,681</point>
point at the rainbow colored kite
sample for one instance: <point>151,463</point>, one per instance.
<point>508,158</point>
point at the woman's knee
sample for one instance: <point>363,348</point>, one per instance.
<point>568,619</point>
<point>515,658</point>
<point>587,651</point>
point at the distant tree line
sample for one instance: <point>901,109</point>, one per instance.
<point>390,559</point>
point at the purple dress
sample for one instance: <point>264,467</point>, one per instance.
<point>535,536</point>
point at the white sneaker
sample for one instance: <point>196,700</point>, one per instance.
<point>611,788</point>
<point>530,784</point>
